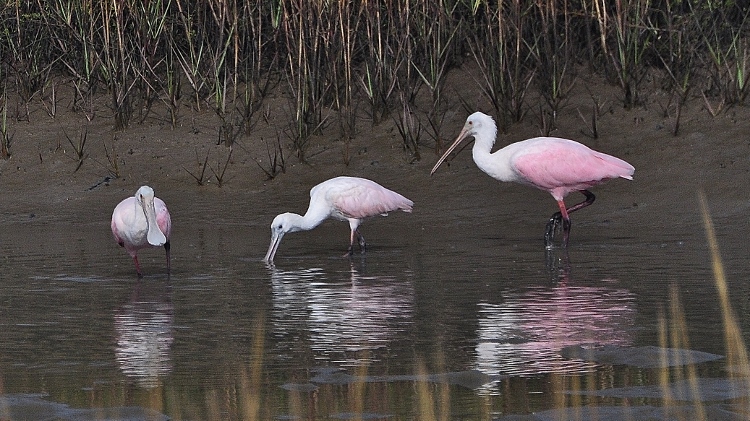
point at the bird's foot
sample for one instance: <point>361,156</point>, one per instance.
<point>551,230</point>
<point>554,225</point>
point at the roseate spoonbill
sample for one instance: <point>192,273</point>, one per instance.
<point>558,166</point>
<point>142,221</point>
<point>344,198</point>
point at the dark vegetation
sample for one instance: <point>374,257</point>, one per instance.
<point>342,65</point>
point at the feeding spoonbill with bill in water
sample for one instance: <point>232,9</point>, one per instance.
<point>349,199</point>
<point>142,221</point>
<point>558,166</point>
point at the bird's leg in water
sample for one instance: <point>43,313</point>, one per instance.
<point>169,264</point>
<point>351,245</point>
<point>137,266</point>
<point>360,241</point>
<point>555,221</point>
<point>362,244</point>
<point>563,216</point>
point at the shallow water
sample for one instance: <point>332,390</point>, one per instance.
<point>460,295</point>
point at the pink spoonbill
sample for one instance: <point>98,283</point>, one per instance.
<point>344,198</point>
<point>142,221</point>
<point>558,166</point>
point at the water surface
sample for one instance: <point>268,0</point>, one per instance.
<point>460,296</point>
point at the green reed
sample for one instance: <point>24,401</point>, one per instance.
<point>726,50</point>
<point>632,41</point>
<point>551,50</point>
<point>307,29</point>
<point>383,58</point>
<point>497,44</point>
<point>256,56</point>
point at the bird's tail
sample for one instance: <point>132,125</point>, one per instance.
<point>620,168</point>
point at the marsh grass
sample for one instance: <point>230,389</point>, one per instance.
<point>505,67</point>
<point>113,160</point>
<point>199,175</point>
<point>5,137</point>
<point>79,147</point>
<point>221,169</point>
<point>738,361</point>
<point>593,125</point>
<point>329,58</point>
<point>276,163</point>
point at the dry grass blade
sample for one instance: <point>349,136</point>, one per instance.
<point>737,355</point>
<point>714,111</point>
<point>5,137</point>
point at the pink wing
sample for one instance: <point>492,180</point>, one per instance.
<point>163,219</point>
<point>117,216</point>
<point>361,198</point>
<point>563,166</point>
<point>115,231</point>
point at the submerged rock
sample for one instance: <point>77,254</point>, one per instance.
<point>642,356</point>
<point>21,407</point>
<point>702,389</point>
<point>719,412</point>
<point>299,387</point>
<point>471,379</point>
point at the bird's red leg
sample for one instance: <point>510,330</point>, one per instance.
<point>137,266</point>
<point>564,217</point>
<point>565,223</point>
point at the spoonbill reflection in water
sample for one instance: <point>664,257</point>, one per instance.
<point>344,198</point>
<point>142,221</point>
<point>558,166</point>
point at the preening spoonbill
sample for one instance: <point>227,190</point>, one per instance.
<point>142,221</point>
<point>344,198</point>
<point>558,166</point>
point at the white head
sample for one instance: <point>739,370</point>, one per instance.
<point>479,125</point>
<point>144,194</point>
<point>145,197</point>
<point>282,224</point>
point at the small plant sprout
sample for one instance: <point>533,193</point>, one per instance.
<point>79,147</point>
<point>200,174</point>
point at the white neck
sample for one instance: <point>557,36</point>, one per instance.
<point>310,220</point>
<point>489,162</point>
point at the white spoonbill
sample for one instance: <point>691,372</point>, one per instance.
<point>558,166</point>
<point>344,198</point>
<point>142,221</point>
